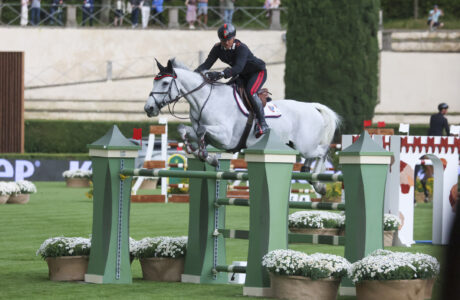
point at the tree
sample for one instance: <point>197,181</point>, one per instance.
<point>332,56</point>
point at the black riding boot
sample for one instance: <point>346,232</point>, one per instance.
<point>261,127</point>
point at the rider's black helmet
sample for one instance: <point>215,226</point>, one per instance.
<point>443,106</point>
<point>226,32</point>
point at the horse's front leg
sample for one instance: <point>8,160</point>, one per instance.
<point>188,135</point>
<point>202,152</point>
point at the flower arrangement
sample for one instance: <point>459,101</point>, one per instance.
<point>315,266</point>
<point>77,174</point>
<point>64,246</point>
<point>333,190</point>
<point>9,188</point>
<point>26,187</point>
<point>316,219</point>
<point>162,246</point>
<point>387,265</point>
<point>70,246</point>
<point>391,222</point>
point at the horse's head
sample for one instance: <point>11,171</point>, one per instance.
<point>165,90</point>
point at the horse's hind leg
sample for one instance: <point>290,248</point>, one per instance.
<point>307,165</point>
<point>320,167</point>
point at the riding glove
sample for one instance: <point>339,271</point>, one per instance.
<point>214,76</point>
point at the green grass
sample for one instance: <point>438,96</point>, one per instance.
<point>56,210</point>
<point>419,24</point>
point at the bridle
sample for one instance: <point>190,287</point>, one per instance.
<point>174,100</point>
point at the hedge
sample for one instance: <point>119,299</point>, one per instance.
<point>45,138</point>
<point>332,57</point>
<point>55,136</point>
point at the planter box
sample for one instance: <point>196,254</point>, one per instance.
<point>319,231</point>
<point>298,287</point>
<point>67,268</point>
<point>388,238</point>
<point>19,199</point>
<point>391,289</point>
<point>429,287</point>
<point>4,199</point>
<point>77,182</point>
<point>162,268</point>
<point>335,199</point>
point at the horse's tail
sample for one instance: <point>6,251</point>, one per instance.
<point>331,121</point>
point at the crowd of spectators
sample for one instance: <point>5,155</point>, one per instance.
<point>145,11</point>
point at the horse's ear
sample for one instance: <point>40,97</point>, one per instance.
<point>169,67</point>
<point>160,67</point>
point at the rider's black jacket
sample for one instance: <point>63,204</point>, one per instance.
<point>437,123</point>
<point>239,57</point>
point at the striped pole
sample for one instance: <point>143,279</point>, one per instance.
<point>186,174</point>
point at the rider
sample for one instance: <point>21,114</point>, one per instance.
<point>243,63</point>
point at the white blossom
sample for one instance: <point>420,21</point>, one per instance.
<point>77,174</point>
<point>315,219</point>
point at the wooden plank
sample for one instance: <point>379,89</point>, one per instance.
<point>179,198</point>
<point>238,194</point>
<point>154,164</point>
<point>148,198</point>
<point>381,131</point>
<point>157,129</point>
<point>238,164</point>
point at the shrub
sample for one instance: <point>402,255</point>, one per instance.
<point>391,222</point>
<point>162,246</point>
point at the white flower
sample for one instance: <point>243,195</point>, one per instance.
<point>26,187</point>
<point>315,219</point>
<point>384,265</point>
<point>391,222</point>
<point>77,174</point>
<point>161,246</point>
<point>69,244</point>
<point>9,188</point>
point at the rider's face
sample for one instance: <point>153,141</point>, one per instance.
<point>227,44</point>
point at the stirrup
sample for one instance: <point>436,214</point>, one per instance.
<point>260,130</point>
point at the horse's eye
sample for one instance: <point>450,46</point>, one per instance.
<point>164,83</point>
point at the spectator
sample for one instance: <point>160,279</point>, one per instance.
<point>56,12</point>
<point>438,122</point>
<point>269,5</point>
<point>433,18</point>
<point>135,12</point>
<point>35,9</point>
<point>120,10</point>
<point>88,10</point>
<point>157,6</point>
<point>145,4</point>
<point>24,12</point>
<point>191,13</point>
<point>203,12</point>
<point>229,7</point>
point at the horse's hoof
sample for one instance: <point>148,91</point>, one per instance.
<point>305,169</point>
<point>320,188</point>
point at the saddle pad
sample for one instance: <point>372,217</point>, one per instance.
<point>270,110</point>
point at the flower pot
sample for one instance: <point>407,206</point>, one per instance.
<point>77,182</point>
<point>162,268</point>
<point>4,199</point>
<point>67,268</point>
<point>19,199</point>
<point>391,289</point>
<point>429,283</point>
<point>319,231</point>
<point>298,287</point>
<point>388,238</point>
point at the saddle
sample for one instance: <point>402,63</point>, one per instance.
<point>264,97</point>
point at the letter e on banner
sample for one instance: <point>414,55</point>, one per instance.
<point>6,169</point>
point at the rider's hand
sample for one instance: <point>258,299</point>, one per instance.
<point>214,76</point>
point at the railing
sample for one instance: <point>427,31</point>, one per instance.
<point>121,69</point>
<point>172,17</point>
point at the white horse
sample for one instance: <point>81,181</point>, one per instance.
<point>216,119</point>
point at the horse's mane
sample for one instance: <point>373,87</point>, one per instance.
<point>178,64</point>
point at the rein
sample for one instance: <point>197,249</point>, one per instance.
<point>180,95</point>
